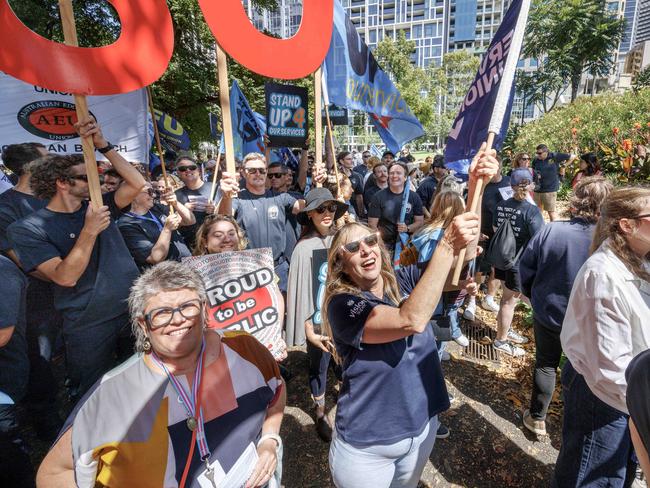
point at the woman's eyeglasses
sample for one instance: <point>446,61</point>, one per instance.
<point>327,208</point>
<point>371,240</point>
<point>192,167</point>
<point>252,171</point>
<point>525,158</point>
<point>160,317</point>
<point>641,216</point>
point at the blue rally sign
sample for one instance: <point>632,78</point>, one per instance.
<point>287,124</point>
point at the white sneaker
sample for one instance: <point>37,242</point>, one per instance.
<point>489,304</point>
<point>517,338</point>
<point>508,348</point>
<point>445,356</point>
<point>470,311</point>
<point>462,340</point>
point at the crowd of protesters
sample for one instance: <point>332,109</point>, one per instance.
<point>96,282</point>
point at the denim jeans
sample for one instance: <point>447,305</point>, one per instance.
<point>548,352</point>
<point>16,469</point>
<point>596,445</point>
<point>396,465</point>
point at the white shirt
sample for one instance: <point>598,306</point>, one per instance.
<point>606,324</point>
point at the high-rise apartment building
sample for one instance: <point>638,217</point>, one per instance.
<point>473,23</point>
<point>422,21</point>
<point>283,22</point>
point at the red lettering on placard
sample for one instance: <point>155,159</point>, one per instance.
<point>288,59</point>
<point>136,59</point>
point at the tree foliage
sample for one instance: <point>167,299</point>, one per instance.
<point>188,89</point>
<point>572,37</point>
<point>642,79</point>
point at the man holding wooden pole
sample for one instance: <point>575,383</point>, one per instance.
<point>78,247</point>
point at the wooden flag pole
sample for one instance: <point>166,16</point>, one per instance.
<point>478,190</point>
<point>217,168</point>
<point>331,137</point>
<point>81,106</point>
<point>318,120</point>
<point>226,119</point>
<point>156,134</point>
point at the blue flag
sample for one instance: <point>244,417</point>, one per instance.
<point>248,135</point>
<point>488,103</point>
<point>355,80</point>
<point>171,132</point>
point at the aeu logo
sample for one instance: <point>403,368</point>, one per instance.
<point>49,119</point>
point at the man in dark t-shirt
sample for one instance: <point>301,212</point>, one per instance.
<point>195,195</point>
<point>427,189</point>
<point>385,208</point>
<point>261,213</point>
<point>80,249</point>
<point>548,170</point>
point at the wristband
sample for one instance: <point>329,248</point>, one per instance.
<point>106,149</point>
<point>275,437</point>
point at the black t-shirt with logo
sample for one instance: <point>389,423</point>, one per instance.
<point>526,219</point>
<point>264,219</point>
<point>386,206</point>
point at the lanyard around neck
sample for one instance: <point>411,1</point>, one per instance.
<point>189,401</point>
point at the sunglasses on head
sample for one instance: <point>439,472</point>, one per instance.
<point>371,240</point>
<point>252,171</point>
<point>327,208</point>
<point>526,158</point>
<point>276,175</point>
<point>187,168</point>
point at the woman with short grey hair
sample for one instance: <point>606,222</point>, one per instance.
<point>158,419</point>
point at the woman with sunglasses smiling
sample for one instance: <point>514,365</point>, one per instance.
<point>393,388</point>
<point>183,409</point>
<point>303,309</point>
<point>149,228</point>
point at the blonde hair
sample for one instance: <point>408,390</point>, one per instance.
<point>339,282</point>
<point>622,203</point>
<point>201,246</point>
<point>446,205</point>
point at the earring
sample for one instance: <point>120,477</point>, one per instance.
<point>146,346</point>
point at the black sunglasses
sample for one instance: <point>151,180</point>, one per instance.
<point>641,216</point>
<point>85,178</point>
<point>252,171</point>
<point>193,167</point>
<point>160,317</point>
<point>327,208</point>
<point>276,175</point>
<point>371,240</point>
<point>151,192</point>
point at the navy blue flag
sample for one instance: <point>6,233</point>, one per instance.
<point>488,103</point>
<point>214,123</point>
<point>355,80</point>
<point>248,135</point>
<point>171,132</point>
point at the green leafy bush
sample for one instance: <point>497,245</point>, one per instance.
<point>614,126</point>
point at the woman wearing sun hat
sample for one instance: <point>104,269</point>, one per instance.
<point>318,219</point>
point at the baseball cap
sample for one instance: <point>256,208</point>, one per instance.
<point>520,176</point>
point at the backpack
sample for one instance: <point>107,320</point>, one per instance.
<point>502,251</point>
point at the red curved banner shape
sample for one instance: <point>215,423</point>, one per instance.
<point>287,59</point>
<point>136,59</point>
